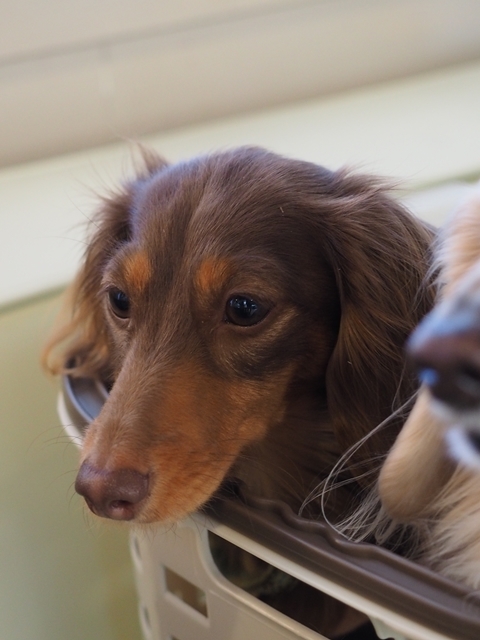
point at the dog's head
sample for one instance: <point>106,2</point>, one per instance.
<point>212,293</point>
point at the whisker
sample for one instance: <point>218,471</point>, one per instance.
<point>330,483</point>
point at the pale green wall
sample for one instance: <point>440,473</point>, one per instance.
<point>62,575</point>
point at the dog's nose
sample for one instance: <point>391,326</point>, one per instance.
<point>112,494</point>
<point>448,363</point>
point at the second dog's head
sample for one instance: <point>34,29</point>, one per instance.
<point>444,426</point>
<point>446,345</point>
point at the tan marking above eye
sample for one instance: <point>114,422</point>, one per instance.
<point>137,270</point>
<point>212,275</point>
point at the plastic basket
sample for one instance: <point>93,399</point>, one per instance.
<point>184,596</point>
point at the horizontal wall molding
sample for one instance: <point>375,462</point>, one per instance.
<point>140,74</point>
<point>423,132</point>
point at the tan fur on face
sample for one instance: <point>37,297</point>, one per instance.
<point>137,270</point>
<point>212,275</point>
<point>198,426</point>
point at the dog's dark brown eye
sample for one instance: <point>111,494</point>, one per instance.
<point>119,303</point>
<point>244,311</point>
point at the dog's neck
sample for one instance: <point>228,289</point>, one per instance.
<point>294,457</point>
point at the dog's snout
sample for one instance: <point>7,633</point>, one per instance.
<point>449,364</point>
<point>114,493</point>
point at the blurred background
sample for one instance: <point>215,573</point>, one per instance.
<point>84,72</point>
<point>389,85</point>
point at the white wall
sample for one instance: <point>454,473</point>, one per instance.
<point>83,72</point>
<point>62,576</point>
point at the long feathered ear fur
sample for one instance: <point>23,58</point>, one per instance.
<point>381,258</point>
<point>80,344</point>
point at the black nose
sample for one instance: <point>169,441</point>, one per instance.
<point>112,494</point>
<point>448,361</point>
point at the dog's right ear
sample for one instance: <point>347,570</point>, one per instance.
<point>80,343</point>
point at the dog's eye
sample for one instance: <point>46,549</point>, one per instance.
<point>244,311</point>
<point>119,303</point>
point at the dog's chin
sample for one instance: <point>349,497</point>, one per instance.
<point>150,512</point>
<point>139,516</point>
<point>121,511</point>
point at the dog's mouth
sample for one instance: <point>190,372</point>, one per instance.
<point>464,445</point>
<point>462,431</point>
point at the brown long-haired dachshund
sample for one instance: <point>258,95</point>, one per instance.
<point>248,313</point>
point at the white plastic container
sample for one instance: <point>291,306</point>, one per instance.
<point>184,596</point>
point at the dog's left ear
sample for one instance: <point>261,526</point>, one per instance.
<point>381,258</point>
